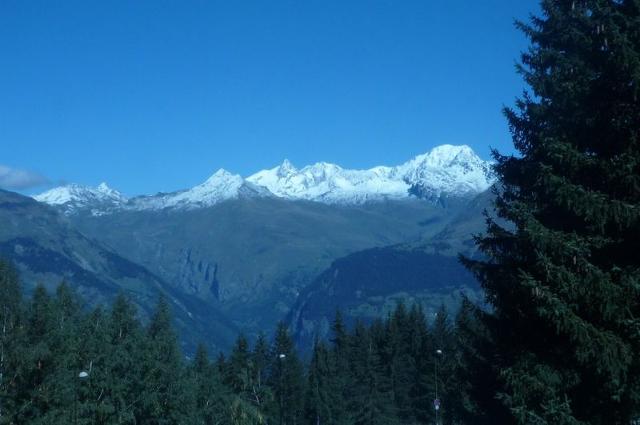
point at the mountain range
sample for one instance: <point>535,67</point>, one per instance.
<point>238,254</point>
<point>445,171</point>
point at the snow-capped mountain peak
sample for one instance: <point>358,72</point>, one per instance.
<point>446,170</point>
<point>286,168</point>
<point>310,182</point>
<point>219,177</point>
<point>444,156</point>
<point>109,192</point>
<point>221,186</point>
<point>80,195</point>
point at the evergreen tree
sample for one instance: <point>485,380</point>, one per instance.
<point>64,340</point>
<point>373,397</point>
<point>474,378</point>
<point>35,397</point>
<point>238,376</point>
<point>211,396</point>
<point>260,360</point>
<point>11,339</point>
<point>319,398</point>
<point>401,367</point>
<point>419,346</point>
<point>166,400</point>
<point>340,338</point>
<point>94,407</point>
<point>341,373</point>
<point>124,363</point>
<point>286,380</point>
<point>45,383</point>
<point>562,277</point>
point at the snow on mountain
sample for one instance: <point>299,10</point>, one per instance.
<point>221,186</point>
<point>446,170</point>
<point>330,183</point>
<point>74,196</point>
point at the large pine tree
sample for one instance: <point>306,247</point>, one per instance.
<point>372,402</point>
<point>211,397</point>
<point>341,371</point>
<point>563,277</point>
<point>286,379</point>
<point>166,400</point>
<point>124,362</point>
<point>319,396</point>
<point>11,340</point>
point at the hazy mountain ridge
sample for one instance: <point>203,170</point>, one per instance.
<point>446,170</point>
<point>47,249</point>
<point>250,258</point>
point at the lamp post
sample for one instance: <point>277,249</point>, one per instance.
<point>81,376</point>
<point>436,401</point>
<point>281,357</point>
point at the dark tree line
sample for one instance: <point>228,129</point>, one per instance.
<point>61,364</point>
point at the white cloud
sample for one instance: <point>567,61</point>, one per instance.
<point>16,179</point>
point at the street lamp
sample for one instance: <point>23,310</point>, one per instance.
<point>81,377</point>
<point>281,357</point>
<point>436,401</point>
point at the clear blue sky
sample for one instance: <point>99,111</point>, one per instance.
<point>157,95</point>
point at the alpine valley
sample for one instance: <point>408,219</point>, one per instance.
<point>238,254</point>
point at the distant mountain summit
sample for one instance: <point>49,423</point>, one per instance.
<point>74,197</point>
<point>445,171</point>
<point>222,185</point>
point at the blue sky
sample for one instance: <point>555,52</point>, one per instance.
<point>157,95</point>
